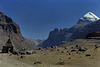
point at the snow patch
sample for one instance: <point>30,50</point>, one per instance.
<point>92,16</point>
<point>88,18</point>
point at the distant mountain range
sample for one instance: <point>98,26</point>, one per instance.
<point>36,41</point>
<point>87,24</point>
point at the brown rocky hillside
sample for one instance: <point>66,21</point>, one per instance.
<point>8,28</point>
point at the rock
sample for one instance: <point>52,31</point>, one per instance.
<point>10,54</point>
<point>52,47</point>
<point>56,46</point>
<point>88,55</point>
<point>51,50</point>
<point>61,59</point>
<point>39,48</point>
<point>58,50</point>
<point>23,49</point>
<point>65,47</point>
<point>37,62</point>
<point>73,50</point>
<point>29,52</point>
<point>45,54</point>
<point>34,52</point>
<point>22,52</point>
<point>22,56</point>
<point>72,47</point>
<point>84,26</point>
<point>96,46</point>
<point>69,58</point>
<point>77,46</point>
<point>63,51</point>
<point>60,63</point>
<point>93,35</point>
<point>15,53</point>
<point>8,28</point>
<point>77,52</point>
<point>82,49</point>
<point>69,54</point>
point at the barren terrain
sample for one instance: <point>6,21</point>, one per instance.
<point>8,61</point>
<point>66,55</point>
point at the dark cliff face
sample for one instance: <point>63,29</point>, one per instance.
<point>87,24</point>
<point>78,31</point>
<point>8,25</point>
<point>8,28</point>
<point>94,35</point>
<point>57,37</point>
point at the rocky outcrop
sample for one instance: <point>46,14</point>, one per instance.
<point>8,28</point>
<point>94,35</point>
<point>88,24</point>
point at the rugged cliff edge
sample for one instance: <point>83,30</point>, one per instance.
<point>87,24</point>
<point>8,28</point>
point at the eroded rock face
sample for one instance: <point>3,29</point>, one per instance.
<point>8,28</point>
<point>90,23</point>
<point>94,35</point>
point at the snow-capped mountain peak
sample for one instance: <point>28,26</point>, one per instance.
<point>88,18</point>
<point>91,15</point>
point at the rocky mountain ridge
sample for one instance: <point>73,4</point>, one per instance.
<point>8,28</point>
<point>89,23</point>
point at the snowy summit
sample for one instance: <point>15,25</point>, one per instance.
<point>91,16</point>
<point>88,18</point>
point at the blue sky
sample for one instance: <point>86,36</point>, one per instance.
<point>37,18</point>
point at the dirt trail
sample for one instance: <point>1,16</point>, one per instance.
<point>7,61</point>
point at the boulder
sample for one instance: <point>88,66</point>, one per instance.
<point>88,55</point>
<point>37,62</point>
<point>60,63</point>
<point>22,56</point>
<point>82,49</point>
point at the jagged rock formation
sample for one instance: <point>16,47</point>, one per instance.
<point>8,28</point>
<point>88,24</point>
<point>94,35</point>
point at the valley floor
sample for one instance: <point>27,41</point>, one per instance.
<point>50,57</point>
<point>68,54</point>
<point>8,61</point>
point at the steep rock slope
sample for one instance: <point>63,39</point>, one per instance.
<point>8,28</point>
<point>89,23</point>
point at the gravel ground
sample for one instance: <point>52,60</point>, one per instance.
<point>7,61</point>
